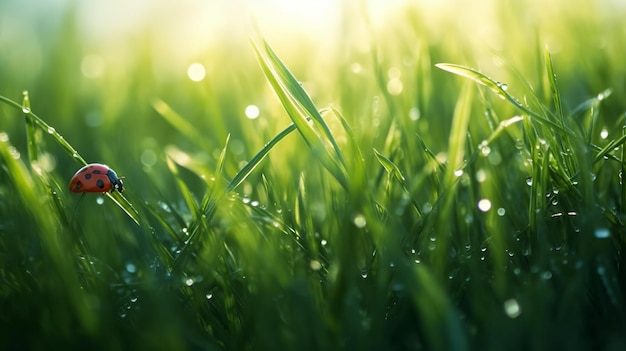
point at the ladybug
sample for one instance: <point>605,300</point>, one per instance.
<point>95,178</point>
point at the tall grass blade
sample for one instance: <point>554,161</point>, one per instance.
<point>32,134</point>
<point>554,88</point>
<point>300,109</point>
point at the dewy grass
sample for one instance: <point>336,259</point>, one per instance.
<point>372,203</point>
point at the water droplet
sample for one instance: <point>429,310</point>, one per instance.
<point>501,212</point>
<point>458,172</point>
<point>25,110</point>
<point>131,268</point>
<point>99,200</point>
<point>529,181</point>
<point>512,308</point>
<point>189,282</point>
<point>208,296</point>
<point>604,133</point>
<point>51,130</point>
<point>364,274</point>
<point>323,242</point>
<point>602,233</point>
<point>485,150</point>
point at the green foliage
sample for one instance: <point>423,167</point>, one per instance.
<point>413,213</point>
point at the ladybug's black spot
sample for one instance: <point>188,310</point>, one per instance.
<point>100,183</point>
<point>88,176</point>
<point>78,185</point>
<point>97,171</point>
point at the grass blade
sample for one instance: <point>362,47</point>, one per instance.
<point>499,89</point>
<point>554,89</point>
<point>245,171</point>
<point>300,109</point>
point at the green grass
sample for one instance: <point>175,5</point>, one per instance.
<point>478,205</point>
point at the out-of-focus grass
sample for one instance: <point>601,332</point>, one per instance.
<point>445,177</point>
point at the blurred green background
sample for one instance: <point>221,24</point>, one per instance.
<point>171,95</point>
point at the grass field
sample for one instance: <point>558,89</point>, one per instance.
<point>416,176</point>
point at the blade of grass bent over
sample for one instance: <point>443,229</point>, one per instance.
<point>501,90</point>
<point>301,110</point>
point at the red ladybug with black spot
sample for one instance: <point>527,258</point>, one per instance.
<point>96,178</point>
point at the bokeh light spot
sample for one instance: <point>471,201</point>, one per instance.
<point>196,72</point>
<point>484,205</point>
<point>252,111</point>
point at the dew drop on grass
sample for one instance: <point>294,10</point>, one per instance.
<point>189,282</point>
<point>364,274</point>
<point>604,133</point>
<point>529,181</point>
<point>245,199</point>
<point>131,268</point>
<point>208,296</point>
<point>512,308</point>
<point>25,110</point>
<point>14,153</point>
<point>501,212</point>
<point>485,150</point>
<point>458,172</point>
<point>323,242</point>
<point>547,275</point>
<point>51,130</point>
<point>99,200</point>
